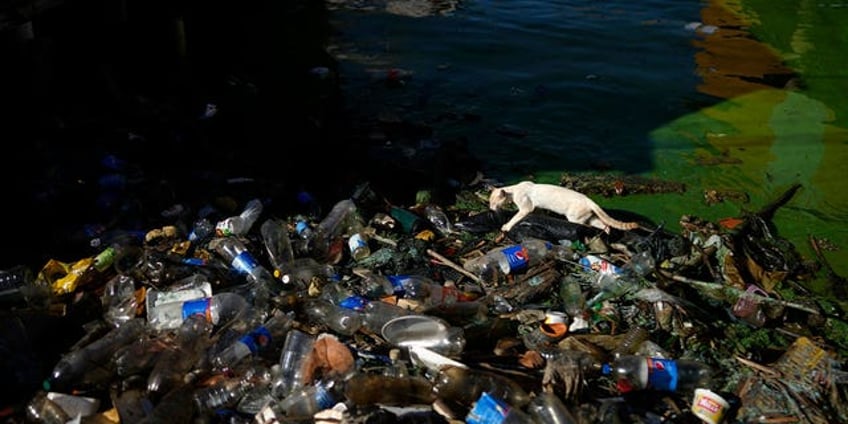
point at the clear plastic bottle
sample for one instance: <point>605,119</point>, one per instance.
<point>629,342</point>
<point>548,408</point>
<point>296,350</point>
<point>75,364</point>
<point>377,313</point>
<point>220,309</point>
<point>337,318</point>
<point>304,234</point>
<point>275,237</point>
<point>190,343</point>
<point>439,219</point>
<point>612,286</point>
<point>573,302</point>
<point>511,258</point>
<point>301,271</point>
<point>465,385</point>
<point>309,400</point>
<point>240,224</point>
<point>261,283</point>
<point>342,296</point>
<point>228,391</point>
<point>636,372</point>
<point>43,410</point>
<point>240,259</point>
<point>336,224</point>
<point>425,290</point>
<point>266,337</point>
<point>14,284</point>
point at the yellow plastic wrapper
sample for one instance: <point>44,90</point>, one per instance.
<point>69,282</point>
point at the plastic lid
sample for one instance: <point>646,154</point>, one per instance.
<point>606,369</point>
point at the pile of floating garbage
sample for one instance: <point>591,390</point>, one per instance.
<point>376,312</point>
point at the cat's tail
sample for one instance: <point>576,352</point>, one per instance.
<point>612,222</point>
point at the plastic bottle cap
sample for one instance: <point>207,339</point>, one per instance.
<point>606,369</point>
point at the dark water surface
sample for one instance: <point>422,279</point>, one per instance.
<point>733,96</point>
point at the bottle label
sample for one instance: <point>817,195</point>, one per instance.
<point>199,306</point>
<point>244,262</point>
<point>324,398</point>
<point>487,410</point>
<point>356,242</point>
<point>257,339</point>
<point>301,226</point>
<point>357,303</point>
<point>594,263</point>
<point>397,283</point>
<point>662,374</point>
<point>517,257</point>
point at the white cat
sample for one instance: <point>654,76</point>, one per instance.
<point>575,206</point>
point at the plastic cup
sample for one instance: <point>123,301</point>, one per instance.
<point>709,406</point>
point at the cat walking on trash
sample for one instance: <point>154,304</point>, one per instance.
<point>575,206</point>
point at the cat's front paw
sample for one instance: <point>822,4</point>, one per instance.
<point>505,228</point>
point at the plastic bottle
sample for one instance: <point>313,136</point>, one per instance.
<point>342,296</point>
<point>377,313</point>
<point>240,224</point>
<point>375,286</point>
<point>275,236</point>
<point>410,222</point>
<point>190,343</point>
<point>43,410</point>
<point>303,229</point>
<point>489,409</point>
<point>261,281</point>
<point>612,286</point>
<point>465,385</point>
<point>338,319</point>
<point>302,271</point>
<point>630,341</point>
<point>138,356</point>
<point>573,302</point>
<point>227,392</point>
<point>358,245</point>
<point>636,372</point>
<point>307,401</point>
<point>119,299</point>
<point>263,338</point>
<point>220,309</point>
<point>438,218</point>
<point>335,224</point>
<point>75,364</point>
<point>240,259</point>
<point>397,367</point>
<point>14,282</point>
<point>425,290</point>
<point>203,229</point>
<point>296,350</point>
<point>511,258</point>
<point>548,408</point>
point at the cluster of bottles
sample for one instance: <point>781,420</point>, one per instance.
<point>218,321</point>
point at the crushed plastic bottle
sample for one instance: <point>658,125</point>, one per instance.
<point>240,224</point>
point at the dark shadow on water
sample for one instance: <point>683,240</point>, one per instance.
<point>98,80</point>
